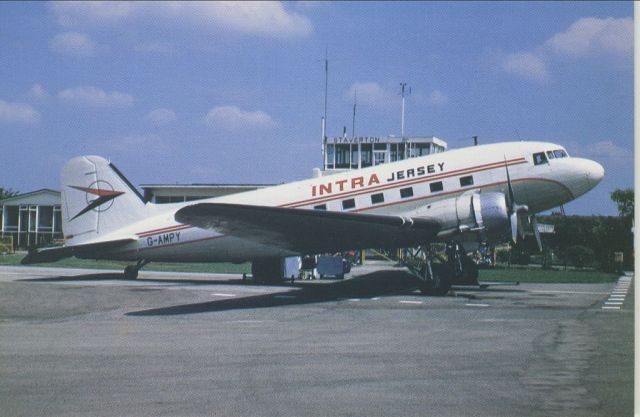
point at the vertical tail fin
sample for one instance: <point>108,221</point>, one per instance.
<point>96,199</point>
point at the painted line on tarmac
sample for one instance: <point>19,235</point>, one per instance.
<point>220,294</point>
<point>476,305</point>
<point>410,302</point>
<point>618,294</point>
<point>570,292</point>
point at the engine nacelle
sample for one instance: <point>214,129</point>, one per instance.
<point>483,214</point>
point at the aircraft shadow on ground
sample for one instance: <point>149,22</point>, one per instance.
<point>369,286</point>
<point>120,277</point>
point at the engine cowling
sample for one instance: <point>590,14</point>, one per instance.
<point>483,214</point>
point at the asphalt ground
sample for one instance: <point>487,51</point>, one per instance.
<point>88,343</point>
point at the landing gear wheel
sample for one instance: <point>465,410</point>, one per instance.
<point>440,284</point>
<point>130,272</point>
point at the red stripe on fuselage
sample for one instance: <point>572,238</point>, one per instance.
<point>470,170</point>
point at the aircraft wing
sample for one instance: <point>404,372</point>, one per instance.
<point>309,231</point>
<point>56,253</point>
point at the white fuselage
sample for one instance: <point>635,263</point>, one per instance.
<point>399,188</point>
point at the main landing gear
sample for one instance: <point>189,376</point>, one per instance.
<point>433,278</point>
<point>131,271</point>
<point>436,278</point>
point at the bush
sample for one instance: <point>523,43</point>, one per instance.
<point>579,256</point>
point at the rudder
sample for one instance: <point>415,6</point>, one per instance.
<point>96,199</point>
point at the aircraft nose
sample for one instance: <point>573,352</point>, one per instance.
<point>594,173</point>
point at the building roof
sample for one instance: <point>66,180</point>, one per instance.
<point>44,196</point>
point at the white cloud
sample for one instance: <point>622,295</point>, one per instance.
<point>269,18</point>
<point>437,98</point>
<point>371,94</point>
<point>73,43</point>
<point>233,118</point>
<point>92,96</point>
<point>591,35</point>
<point>161,117</point>
<point>525,64</point>
<point>18,113</point>
<point>586,36</point>
<point>608,149</point>
<point>71,13</point>
<point>38,92</point>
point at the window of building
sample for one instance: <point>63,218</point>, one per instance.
<point>348,204</point>
<point>539,158</point>
<point>436,186</point>
<point>169,199</point>
<point>377,198</point>
<point>366,151</point>
<point>343,156</point>
<point>320,207</point>
<point>406,192</point>
<point>330,155</point>
<point>466,181</point>
<point>355,156</point>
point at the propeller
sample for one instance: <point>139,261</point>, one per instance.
<point>518,212</point>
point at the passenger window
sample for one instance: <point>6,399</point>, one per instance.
<point>348,204</point>
<point>539,158</point>
<point>377,198</point>
<point>406,192</point>
<point>550,155</point>
<point>435,186</point>
<point>559,153</point>
<point>466,181</point>
<point>320,207</point>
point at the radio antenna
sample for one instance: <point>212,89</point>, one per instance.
<point>403,88</point>
<point>353,122</point>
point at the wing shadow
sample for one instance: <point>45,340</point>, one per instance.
<point>366,286</point>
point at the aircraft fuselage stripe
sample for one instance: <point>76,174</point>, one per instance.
<point>462,171</point>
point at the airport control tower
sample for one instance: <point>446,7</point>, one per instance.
<point>342,153</point>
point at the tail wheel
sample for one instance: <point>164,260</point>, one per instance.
<point>130,272</point>
<point>440,283</point>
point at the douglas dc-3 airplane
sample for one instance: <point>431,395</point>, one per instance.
<point>482,193</point>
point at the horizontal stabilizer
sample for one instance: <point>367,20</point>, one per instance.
<point>56,253</point>
<point>309,231</point>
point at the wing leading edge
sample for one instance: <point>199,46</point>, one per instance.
<point>309,231</point>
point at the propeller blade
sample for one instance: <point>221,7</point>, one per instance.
<point>514,226</point>
<point>536,232</point>
<point>512,200</point>
<point>520,226</point>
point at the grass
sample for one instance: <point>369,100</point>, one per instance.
<point>544,276</point>
<point>541,276</point>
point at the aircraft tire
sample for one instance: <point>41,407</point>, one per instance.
<point>441,284</point>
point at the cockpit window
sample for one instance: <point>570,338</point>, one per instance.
<point>560,153</point>
<point>550,154</point>
<point>539,158</point>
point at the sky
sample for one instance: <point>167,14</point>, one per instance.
<point>223,92</point>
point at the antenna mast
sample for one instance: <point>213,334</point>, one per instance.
<point>403,87</point>
<point>353,122</point>
<point>324,118</point>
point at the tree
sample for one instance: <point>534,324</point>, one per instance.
<point>624,200</point>
<point>7,192</point>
